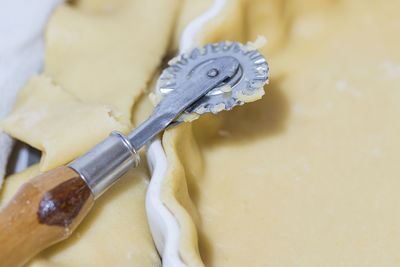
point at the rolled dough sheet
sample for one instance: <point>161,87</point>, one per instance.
<point>181,150</point>
<point>21,54</point>
<point>305,177</point>
<point>99,58</point>
<point>36,120</point>
<point>106,52</point>
<point>309,175</point>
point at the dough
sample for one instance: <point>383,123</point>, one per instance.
<point>184,160</point>
<point>36,120</point>
<point>103,56</point>
<point>108,56</point>
<point>99,59</point>
<point>115,232</point>
<point>308,176</point>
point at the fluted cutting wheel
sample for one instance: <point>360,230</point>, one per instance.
<point>251,76</point>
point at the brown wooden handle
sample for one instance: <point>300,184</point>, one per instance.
<point>45,210</point>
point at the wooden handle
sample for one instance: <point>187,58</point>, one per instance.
<point>45,210</point>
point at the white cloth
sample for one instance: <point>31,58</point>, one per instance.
<point>22,23</point>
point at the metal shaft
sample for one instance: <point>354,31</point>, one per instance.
<point>101,166</point>
<point>201,81</point>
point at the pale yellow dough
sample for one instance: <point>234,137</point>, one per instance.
<point>309,175</point>
<point>52,120</point>
<point>122,46</point>
<point>99,57</point>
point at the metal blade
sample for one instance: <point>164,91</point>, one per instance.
<point>198,83</point>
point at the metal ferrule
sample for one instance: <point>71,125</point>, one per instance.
<point>102,165</point>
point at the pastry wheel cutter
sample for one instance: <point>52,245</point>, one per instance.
<point>49,207</point>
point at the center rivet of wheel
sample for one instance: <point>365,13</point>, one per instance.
<point>212,73</point>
